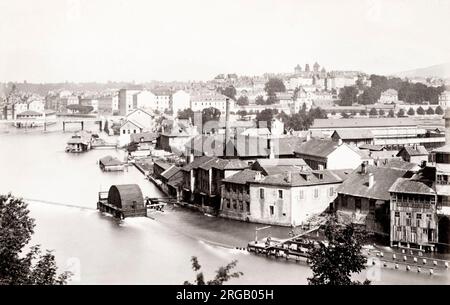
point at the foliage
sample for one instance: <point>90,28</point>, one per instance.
<point>430,111</point>
<point>260,100</point>
<point>363,112</point>
<point>265,117</point>
<point>80,108</point>
<point>401,113</point>
<point>391,113</point>
<point>334,261</point>
<point>344,115</point>
<point>241,113</point>
<point>420,111</point>
<point>228,91</point>
<point>348,96</point>
<point>16,228</point>
<point>223,275</point>
<point>381,112</point>
<point>439,110</point>
<point>242,100</point>
<point>304,119</point>
<point>210,114</point>
<point>186,114</point>
<point>373,111</point>
<point>273,86</point>
<point>411,111</point>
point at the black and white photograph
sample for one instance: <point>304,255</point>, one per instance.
<point>249,143</point>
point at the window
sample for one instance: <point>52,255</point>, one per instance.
<point>302,194</point>
<point>331,193</point>
<point>280,194</point>
<point>248,206</point>
<point>234,204</point>
<point>271,210</point>
<point>261,193</point>
<point>413,229</point>
<point>358,204</point>
<point>429,216</point>
<point>408,219</point>
<point>425,231</point>
<point>418,215</point>
<point>134,131</point>
<point>228,203</point>
<point>124,131</point>
<point>129,131</point>
<point>316,193</point>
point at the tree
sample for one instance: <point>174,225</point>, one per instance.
<point>381,112</point>
<point>430,111</point>
<point>229,91</point>
<point>411,111</point>
<point>344,115</point>
<point>242,113</point>
<point>260,100</point>
<point>186,114</point>
<point>439,110</point>
<point>333,262</point>
<point>391,113</point>
<point>265,117</point>
<point>16,229</point>
<point>420,111</point>
<point>210,114</point>
<point>348,96</point>
<point>223,275</point>
<point>242,100</point>
<point>273,86</point>
<point>371,95</point>
<point>80,108</point>
<point>363,112</point>
<point>401,113</point>
<point>373,111</point>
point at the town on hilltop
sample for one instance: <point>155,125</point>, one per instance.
<point>278,149</point>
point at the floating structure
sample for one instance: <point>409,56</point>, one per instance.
<point>110,164</point>
<point>121,201</point>
<point>79,142</point>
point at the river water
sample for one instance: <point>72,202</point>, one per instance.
<point>155,250</point>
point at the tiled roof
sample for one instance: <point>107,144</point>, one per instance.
<point>418,150</point>
<point>317,147</point>
<point>196,163</point>
<point>353,134</point>
<point>242,177</point>
<point>170,172</point>
<point>145,136</point>
<point>110,161</point>
<point>372,147</point>
<point>405,185</point>
<point>162,164</point>
<point>398,164</point>
<point>357,184</point>
<point>301,178</point>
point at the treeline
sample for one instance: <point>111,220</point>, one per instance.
<point>411,93</point>
<point>297,121</point>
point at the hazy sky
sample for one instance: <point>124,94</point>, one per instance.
<point>142,40</point>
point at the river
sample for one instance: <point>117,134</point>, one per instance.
<point>156,250</point>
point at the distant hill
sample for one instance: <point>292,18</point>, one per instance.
<point>439,71</point>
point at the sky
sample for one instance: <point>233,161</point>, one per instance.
<point>144,40</point>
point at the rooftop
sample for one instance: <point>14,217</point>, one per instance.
<point>353,134</point>
<point>362,123</point>
<point>317,147</point>
<point>357,183</point>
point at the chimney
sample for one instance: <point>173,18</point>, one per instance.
<point>371,180</point>
<point>308,136</point>
<point>271,148</point>
<point>227,125</point>
<point>364,167</point>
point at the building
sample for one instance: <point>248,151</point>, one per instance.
<point>130,127</point>
<point>143,118</point>
<point>392,133</point>
<point>278,166</point>
<point>356,137</point>
<point>415,154</point>
<point>364,199</point>
<point>389,96</point>
<point>181,100</point>
<point>163,99</point>
<point>444,99</point>
<point>145,100</point>
<point>172,181</point>
<point>328,154</point>
<point>286,199</point>
<point>126,101</point>
<point>203,100</point>
<point>175,134</point>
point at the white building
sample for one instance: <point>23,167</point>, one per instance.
<point>126,102</point>
<point>444,99</point>
<point>163,99</point>
<point>389,96</point>
<point>200,101</point>
<point>181,100</point>
<point>145,100</point>
<point>36,105</point>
